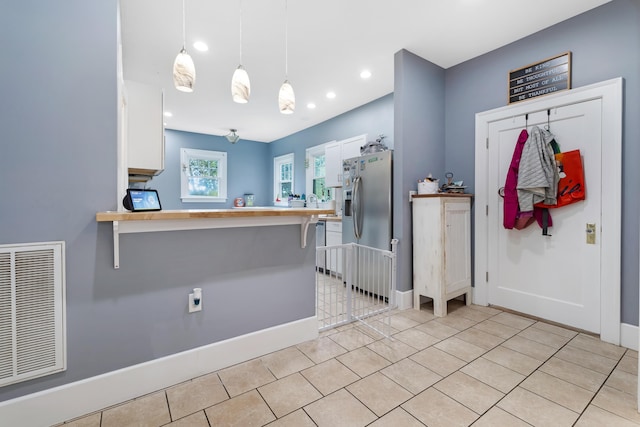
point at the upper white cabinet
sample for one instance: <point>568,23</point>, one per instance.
<point>144,129</point>
<point>333,164</point>
<point>335,153</point>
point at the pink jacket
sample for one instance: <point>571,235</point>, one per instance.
<point>513,218</point>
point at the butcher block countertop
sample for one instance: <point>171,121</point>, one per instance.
<point>246,212</point>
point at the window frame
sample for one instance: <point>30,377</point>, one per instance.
<point>187,154</point>
<point>311,153</point>
<point>277,162</point>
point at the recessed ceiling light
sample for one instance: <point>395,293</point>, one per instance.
<point>365,74</point>
<point>311,105</point>
<point>168,114</point>
<point>331,95</point>
<point>201,46</point>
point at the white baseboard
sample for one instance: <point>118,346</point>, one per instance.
<point>404,299</point>
<point>72,400</point>
<point>629,336</point>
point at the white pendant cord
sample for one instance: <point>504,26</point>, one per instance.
<point>286,40</point>
<point>184,35</point>
<point>240,32</point>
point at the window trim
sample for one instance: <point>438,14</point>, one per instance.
<point>190,153</point>
<point>310,153</point>
<point>277,161</point>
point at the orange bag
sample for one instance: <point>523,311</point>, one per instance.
<point>571,187</point>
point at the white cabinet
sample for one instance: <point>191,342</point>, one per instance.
<point>336,152</point>
<point>334,256</point>
<point>441,249</point>
<point>333,164</point>
<point>145,129</point>
<point>351,146</point>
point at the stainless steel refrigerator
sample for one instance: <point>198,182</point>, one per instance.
<point>367,213</point>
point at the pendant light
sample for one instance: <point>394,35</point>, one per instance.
<point>184,72</point>
<point>240,85</point>
<point>286,97</point>
<point>233,136</point>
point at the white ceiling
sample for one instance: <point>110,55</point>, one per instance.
<point>330,42</point>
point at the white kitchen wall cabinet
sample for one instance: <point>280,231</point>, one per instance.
<point>145,129</point>
<point>441,249</point>
<point>335,153</point>
<point>334,256</point>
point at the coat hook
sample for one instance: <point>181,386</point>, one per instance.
<point>548,119</point>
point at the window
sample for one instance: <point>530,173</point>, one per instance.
<point>316,172</point>
<point>283,177</point>
<point>204,176</point>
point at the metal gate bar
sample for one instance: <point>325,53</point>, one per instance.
<point>357,283</point>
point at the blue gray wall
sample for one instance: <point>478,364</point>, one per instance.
<point>420,134</point>
<point>374,118</point>
<point>247,169</point>
<point>605,43</point>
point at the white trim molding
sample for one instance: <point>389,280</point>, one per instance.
<point>629,336</point>
<point>404,299</point>
<point>82,397</point>
<point>611,94</point>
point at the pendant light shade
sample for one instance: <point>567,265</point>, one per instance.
<point>240,84</point>
<point>286,98</point>
<point>184,72</point>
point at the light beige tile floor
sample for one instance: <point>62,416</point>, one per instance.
<point>477,366</point>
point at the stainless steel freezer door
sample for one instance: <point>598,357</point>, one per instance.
<point>368,190</point>
<point>375,173</point>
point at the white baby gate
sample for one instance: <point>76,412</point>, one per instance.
<point>356,283</point>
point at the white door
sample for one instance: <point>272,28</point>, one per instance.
<point>553,277</point>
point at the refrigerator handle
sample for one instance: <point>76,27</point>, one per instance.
<point>356,204</point>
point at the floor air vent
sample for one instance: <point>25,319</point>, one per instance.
<point>32,307</point>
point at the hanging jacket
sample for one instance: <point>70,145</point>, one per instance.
<point>510,206</point>
<point>512,216</point>
<point>538,175</point>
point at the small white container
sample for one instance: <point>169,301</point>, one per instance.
<point>428,187</point>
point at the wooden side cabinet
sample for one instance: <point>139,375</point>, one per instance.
<point>441,249</point>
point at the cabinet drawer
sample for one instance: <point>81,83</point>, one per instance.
<point>334,226</point>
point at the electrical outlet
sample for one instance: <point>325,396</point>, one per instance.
<point>193,297</point>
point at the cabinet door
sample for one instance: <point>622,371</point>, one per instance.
<point>351,146</point>
<point>333,164</point>
<point>334,256</point>
<point>145,129</point>
<point>457,241</point>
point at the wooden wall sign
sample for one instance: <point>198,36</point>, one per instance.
<point>541,78</point>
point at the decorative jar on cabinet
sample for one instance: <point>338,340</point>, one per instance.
<point>441,249</point>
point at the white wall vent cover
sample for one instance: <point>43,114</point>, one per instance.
<point>32,311</point>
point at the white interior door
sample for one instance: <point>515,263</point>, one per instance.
<point>554,277</point>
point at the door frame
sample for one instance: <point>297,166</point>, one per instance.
<point>611,94</point>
